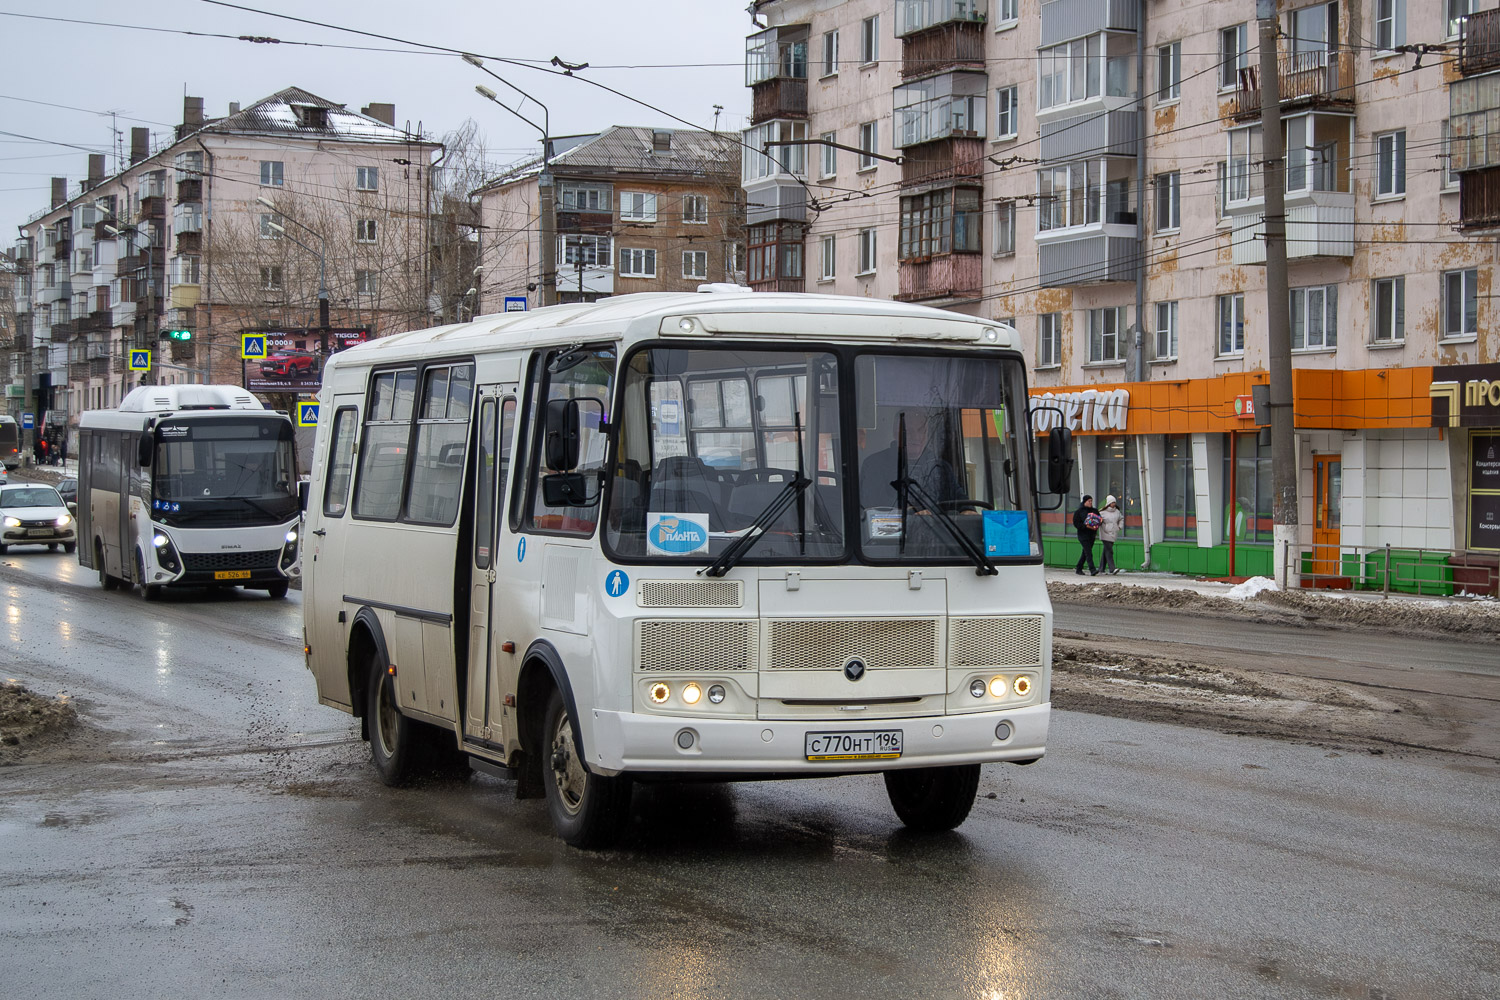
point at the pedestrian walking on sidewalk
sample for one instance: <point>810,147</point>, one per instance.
<point>1086,522</point>
<point>1111,520</point>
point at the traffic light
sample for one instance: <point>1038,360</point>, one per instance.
<point>179,334</point>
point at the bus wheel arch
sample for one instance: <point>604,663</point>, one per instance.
<point>366,640</point>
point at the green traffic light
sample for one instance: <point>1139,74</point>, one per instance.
<point>180,334</point>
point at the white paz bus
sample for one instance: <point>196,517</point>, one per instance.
<point>188,486</point>
<point>684,536</point>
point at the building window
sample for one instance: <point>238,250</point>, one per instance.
<point>187,271</point>
<point>1250,495</point>
<point>829,248</point>
<point>869,142</point>
<point>1315,312</point>
<point>1005,228</point>
<point>939,222</point>
<point>575,197</point>
<point>271,174</point>
<point>1006,113</point>
<point>695,209</point>
<point>758,160</point>
<point>1449,175</point>
<point>366,178</point>
<point>1165,345</point>
<point>366,282</point>
<point>1169,72</point>
<point>1461,303</point>
<point>1390,311</point>
<point>1457,11</point>
<point>866,251</point>
<point>869,40</point>
<point>268,233</point>
<point>1069,72</point>
<point>1068,195</point>
<point>1117,474</point>
<point>828,158</point>
<point>1242,180</point>
<point>830,53</point>
<point>1390,24</point>
<point>1049,340</point>
<point>1390,164</point>
<point>364,231</point>
<point>637,263</point>
<point>775,251</point>
<point>1168,201</point>
<point>1180,515</point>
<point>1231,55</point>
<point>590,251</point>
<point>637,206</point>
<point>1104,334</point>
<point>695,263</point>
<point>1007,11</point>
<point>270,278</point>
<point>1231,324</point>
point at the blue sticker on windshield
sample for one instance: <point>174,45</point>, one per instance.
<point>616,583</point>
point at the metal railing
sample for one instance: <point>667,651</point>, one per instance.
<point>1389,569</point>
<point>1479,42</point>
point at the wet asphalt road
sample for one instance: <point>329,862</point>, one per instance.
<point>225,837</point>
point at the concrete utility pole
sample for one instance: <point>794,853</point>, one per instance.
<point>1286,554</point>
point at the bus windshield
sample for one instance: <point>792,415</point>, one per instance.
<point>963,422</point>
<point>206,462</point>
<point>718,443</point>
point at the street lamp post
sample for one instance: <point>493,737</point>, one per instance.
<point>545,194</point>
<point>322,253</point>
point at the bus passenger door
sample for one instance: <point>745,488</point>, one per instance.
<point>325,529</point>
<point>496,424</point>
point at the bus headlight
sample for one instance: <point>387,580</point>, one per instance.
<point>692,693</point>
<point>166,553</point>
<point>289,551</point>
<point>997,687</point>
<point>716,693</point>
<point>12,522</point>
<point>65,520</point>
<point>977,687</point>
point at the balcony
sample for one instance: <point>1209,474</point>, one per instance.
<point>779,98</point>
<point>78,371</point>
<point>943,162</point>
<point>939,107</point>
<point>1095,255</point>
<point>183,350</point>
<point>152,207</point>
<point>190,242</point>
<point>94,322</point>
<point>1089,136</point>
<point>1479,199</point>
<point>776,72</point>
<point>951,276</point>
<point>1314,79</point>
<point>63,331</point>
<point>1066,19</point>
<point>190,189</point>
<point>1479,43</point>
<point>1321,227</point>
<point>939,35</point>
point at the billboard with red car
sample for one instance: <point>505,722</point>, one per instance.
<point>293,361</point>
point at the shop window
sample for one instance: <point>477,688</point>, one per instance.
<point>1117,473</point>
<point>1248,511</point>
<point>1180,513</point>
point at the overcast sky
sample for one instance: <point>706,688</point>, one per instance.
<point>142,76</point>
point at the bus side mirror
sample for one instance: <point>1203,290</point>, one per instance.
<point>303,488</point>
<point>567,489</point>
<point>143,450</point>
<point>563,435</point>
<point>1059,460</point>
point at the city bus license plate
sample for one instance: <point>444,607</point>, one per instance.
<point>231,574</point>
<point>879,745</point>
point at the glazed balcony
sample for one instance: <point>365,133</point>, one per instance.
<point>776,72</point>
<point>1310,79</point>
<point>949,105</point>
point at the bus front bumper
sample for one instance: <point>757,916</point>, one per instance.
<point>631,742</point>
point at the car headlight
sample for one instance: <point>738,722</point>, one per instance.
<point>12,522</point>
<point>65,520</point>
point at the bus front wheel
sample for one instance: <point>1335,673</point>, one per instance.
<point>276,591</point>
<point>588,810</point>
<point>149,591</point>
<point>105,580</point>
<point>932,799</point>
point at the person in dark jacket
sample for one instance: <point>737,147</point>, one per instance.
<point>1087,530</point>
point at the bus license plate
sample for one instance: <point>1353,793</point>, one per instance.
<point>231,574</point>
<point>38,532</point>
<point>879,745</point>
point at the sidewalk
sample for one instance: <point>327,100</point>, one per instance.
<point>1214,588</point>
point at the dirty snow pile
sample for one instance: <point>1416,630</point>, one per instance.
<point>1250,588</point>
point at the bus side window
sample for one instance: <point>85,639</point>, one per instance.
<point>340,462</point>
<point>493,463</point>
<point>382,456</point>
<point>442,431</point>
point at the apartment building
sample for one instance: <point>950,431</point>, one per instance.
<point>224,225</point>
<point>1090,170</point>
<point>630,210</point>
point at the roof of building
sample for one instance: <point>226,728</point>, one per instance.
<point>631,150</point>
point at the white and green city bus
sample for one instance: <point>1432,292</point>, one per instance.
<point>684,536</point>
<point>188,486</point>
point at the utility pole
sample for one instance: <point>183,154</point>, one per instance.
<point>545,205</point>
<point>1286,549</point>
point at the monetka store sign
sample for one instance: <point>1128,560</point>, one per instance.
<point>1089,410</point>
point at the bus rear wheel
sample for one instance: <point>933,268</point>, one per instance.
<point>933,799</point>
<point>394,739</point>
<point>588,810</point>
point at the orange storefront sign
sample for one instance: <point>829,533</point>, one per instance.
<point>1323,400</point>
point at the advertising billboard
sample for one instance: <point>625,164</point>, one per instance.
<point>293,359</point>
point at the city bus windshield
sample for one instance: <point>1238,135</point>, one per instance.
<point>724,447</point>
<point>206,462</point>
<point>964,470</point>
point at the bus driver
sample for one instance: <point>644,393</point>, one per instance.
<point>925,466</point>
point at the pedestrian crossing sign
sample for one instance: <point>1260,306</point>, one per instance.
<point>140,361</point>
<point>307,414</point>
<point>252,345</point>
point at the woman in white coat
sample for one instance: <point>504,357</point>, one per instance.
<point>1109,533</point>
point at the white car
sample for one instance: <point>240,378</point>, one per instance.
<point>35,514</point>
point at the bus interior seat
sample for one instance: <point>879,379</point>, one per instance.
<point>683,485</point>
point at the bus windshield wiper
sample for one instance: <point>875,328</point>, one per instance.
<point>773,510</point>
<point>910,489</point>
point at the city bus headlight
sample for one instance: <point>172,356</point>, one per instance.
<point>977,687</point>
<point>997,687</point>
<point>12,522</point>
<point>166,553</point>
<point>692,693</point>
<point>716,693</point>
<point>289,551</point>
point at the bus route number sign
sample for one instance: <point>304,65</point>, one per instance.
<point>882,744</point>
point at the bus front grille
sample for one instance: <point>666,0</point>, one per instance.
<point>230,560</point>
<point>690,594</point>
<point>1008,641</point>
<point>827,643</point>
<point>695,644</point>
